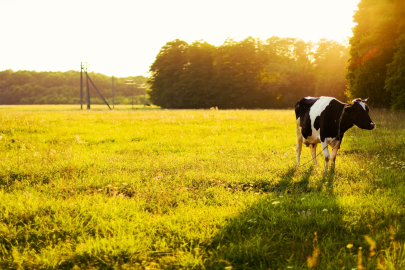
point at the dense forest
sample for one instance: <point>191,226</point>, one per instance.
<point>31,87</point>
<point>247,74</point>
<point>377,63</point>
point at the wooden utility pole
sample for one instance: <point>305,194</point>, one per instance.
<point>99,93</point>
<point>81,85</point>
<point>113,91</point>
<point>88,91</point>
<point>132,83</point>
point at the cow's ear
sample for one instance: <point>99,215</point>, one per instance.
<point>348,109</point>
<point>365,100</point>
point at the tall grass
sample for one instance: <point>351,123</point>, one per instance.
<point>195,189</point>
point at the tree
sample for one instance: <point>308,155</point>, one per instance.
<point>330,60</point>
<point>239,67</point>
<point>289,72</point>
<point>166,74</point>
<point>373,48</point>
<point>196,86</point>
<point>395,80</point>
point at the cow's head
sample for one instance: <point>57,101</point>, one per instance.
<point>359,113</point>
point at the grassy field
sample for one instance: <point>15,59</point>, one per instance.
<point>194,189</point>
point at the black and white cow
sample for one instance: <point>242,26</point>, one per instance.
<point>318,122</point>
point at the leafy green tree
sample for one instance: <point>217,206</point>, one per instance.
<point>166,74</point>
<point>53,79</point>
<point>372,49</point>
<point>239,67</point>
<point>195,82</point>
<point>395,80</point>
<point>290,73</point>
<point>330,60</point>
<point>20,77</point>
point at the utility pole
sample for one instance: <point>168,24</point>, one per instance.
<point>99,93</point>
<point>132,83</point>
<point>113,90</point>
<point>88,91</point>
<point>81,85</point>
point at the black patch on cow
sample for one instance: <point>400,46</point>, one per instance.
<point>317,123</point>
<point>306,128</point>
<point>359,116</point>
<point>302,106</point>
<point>330,121</point>
<point>297,110</point>
<point>302,111</point>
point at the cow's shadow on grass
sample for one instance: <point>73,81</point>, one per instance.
<point>286,227</point>
<point>288,185</point>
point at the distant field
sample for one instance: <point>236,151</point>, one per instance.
<point>194,189</point>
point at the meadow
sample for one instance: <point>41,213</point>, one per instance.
<point>194,189</point>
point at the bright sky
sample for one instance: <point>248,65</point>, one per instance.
<point>123,37</point>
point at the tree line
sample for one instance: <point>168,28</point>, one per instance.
<point>377,54</point>
<point>247,74</point>
<point>277,72</point>
<point>31,87</point>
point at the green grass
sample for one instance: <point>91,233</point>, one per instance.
<point>194,189</point>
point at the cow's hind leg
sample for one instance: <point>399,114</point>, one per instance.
<point>334,153</point>
<point>326,154</point>
<point>312,147</point>
<point>299,148</point>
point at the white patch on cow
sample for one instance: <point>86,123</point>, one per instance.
<point>362,105</point>
<point>319,106</point>
<point>309,97</point>
<point>315,111</point>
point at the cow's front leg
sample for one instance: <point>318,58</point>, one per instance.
<point>325,153</point>
<point>334,153</point>
<point>299,147</point>
<point>299,143</point>
<point>312,147</point>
